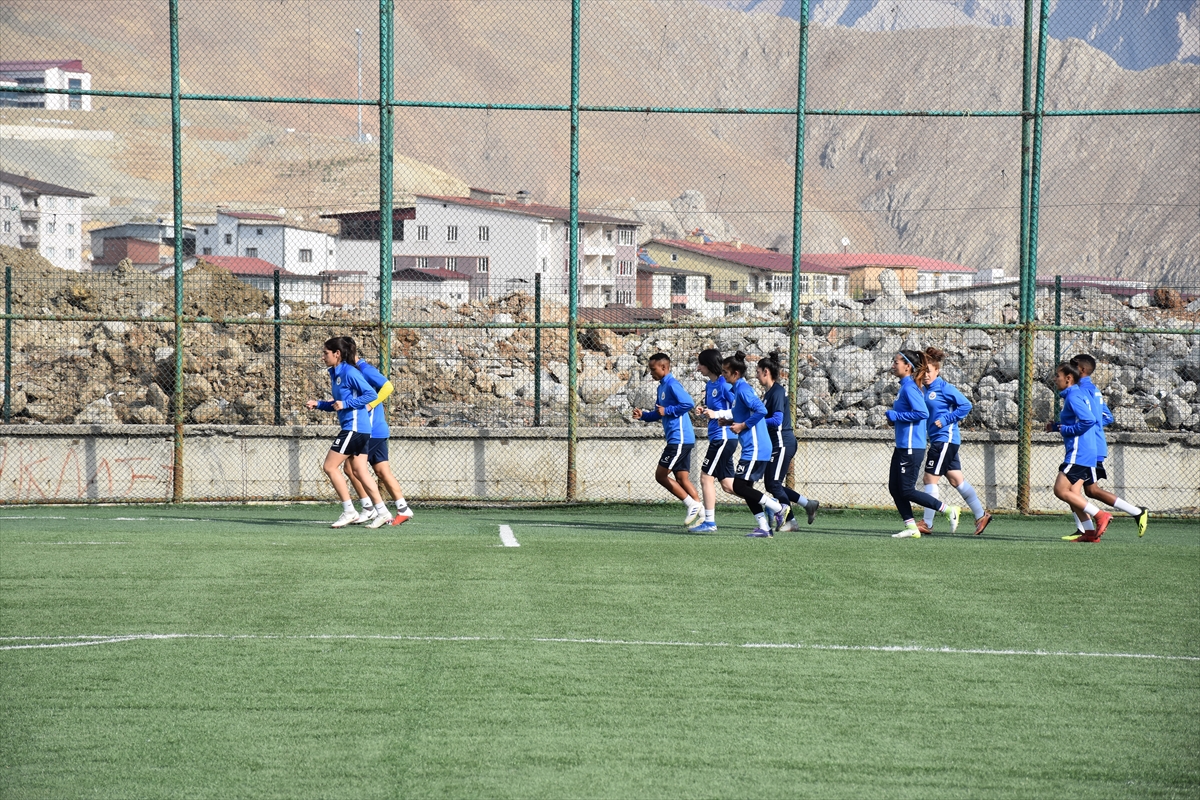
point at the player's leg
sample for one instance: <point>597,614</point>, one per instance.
<point>368,508</point>
<point>333,469</point>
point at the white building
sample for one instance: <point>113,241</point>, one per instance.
<point>261,275</point>
<point>50,75</point>
<point>500,244</point>
<point>270,238</point>
<point>41,216</point>
<point>452,288</point>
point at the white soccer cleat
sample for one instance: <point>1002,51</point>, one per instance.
<point>380,520</point>
<point>365,516</point>
<point>908,533</point>
<point>347,518</point>
<point>695,514</point>
<point>952,514</point>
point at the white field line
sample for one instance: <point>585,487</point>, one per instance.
<point>72,542</point>
<point>507,537</point>
<point>44,642</point>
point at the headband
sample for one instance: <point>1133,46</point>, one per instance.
<point>901,354</point>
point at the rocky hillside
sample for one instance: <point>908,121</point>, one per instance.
<point>1120,194</point>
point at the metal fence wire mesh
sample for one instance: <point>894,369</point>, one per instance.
<point>191,206</point>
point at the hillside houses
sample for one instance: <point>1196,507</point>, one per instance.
<point>50,75</point>
<point>297,249</point>
<point>36,215</point>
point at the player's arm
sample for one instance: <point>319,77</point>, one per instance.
<point>385,392</point>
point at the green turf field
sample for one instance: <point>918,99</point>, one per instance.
<point>253,652</point>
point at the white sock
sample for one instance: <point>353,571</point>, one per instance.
<point>1078,523</point>
<point>382,509</point>
<point>931,489</point>
<point>710,515</point>
<point>770,503</point>
<point>802,501</point>
<point>968,493</point>
<point>401,504</point>
<point>366,504</point>
<point>761,519</point>
<point>348,506</point>
<point>1088,525</point>
<point>1131,510</point>
<point>1091,510</point>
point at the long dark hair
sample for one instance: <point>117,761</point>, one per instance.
<point>710,359</point>
<point>735,363</point>
<point>348,348</point>
<point>771,364</point>
<point>916,360</point>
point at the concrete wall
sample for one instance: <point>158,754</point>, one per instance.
<point>56,463</point>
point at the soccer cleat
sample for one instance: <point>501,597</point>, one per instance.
<point>780,517</point>
<point>703,527</point>
<point>347,518</point>
<point>923,528</point>
<point>811,507</point>
<point>910,532</point>
<point>791,525</point>
<point>759,533</point>
<point>982,523</point>
<point>365,516</point>
<point>952,514</point>
<point>1089,536</point>
<point>1143,519</point>
<point>694,515</point>
<point>402,517</point>
<point>1074,537</point>
<point>379,521</point>
<point>1102,520</point>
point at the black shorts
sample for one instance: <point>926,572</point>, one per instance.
<point>676,457</point>
<point>1077,472</point>
<point>1100,473</point>
<point>349,443</point>
<point>377,451</point>
<point>751,470</point>
<point>941,457</point>
<point>718,461</point>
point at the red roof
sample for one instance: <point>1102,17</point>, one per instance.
<point>723,297</point>
<point>250,215</point>
<point>244,265</point>
<point>70,65</point>
<point>854,260</point>
<point>531,210</point>
<point>753,257</point>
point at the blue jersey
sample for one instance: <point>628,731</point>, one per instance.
<point>349,386</point>
<point>948,406</point>
<point>718,397</point>
<point>749,410</point>
<point>1075,423</point>
<point>779,416</point>
<point>1103,415</point>
<point>379,425</point>
<point>909,413</point>
<point>676,402</point>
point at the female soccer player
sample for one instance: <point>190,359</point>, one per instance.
<point>947,407</point>
<point>783,446</point>
<point>746,419</point>
<point>351,393</point>
<point>908,415</point>
<point>377,452</point>
<point>672,407</point>
<point>1078,467</point>
<point>722,443</point>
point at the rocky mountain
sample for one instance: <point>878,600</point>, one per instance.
<point>1136,35</point>
<point>1120,194</point>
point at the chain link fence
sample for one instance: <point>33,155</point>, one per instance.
<point>573,187</point>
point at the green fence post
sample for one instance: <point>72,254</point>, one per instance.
<point>278,359</point>
<point>1057,335</point>
<point>177,189</point>
<point>7,344</point>
<point>537,350</point>
<point>386,166</point>
<point>573,262</point>
<point>797,207</point>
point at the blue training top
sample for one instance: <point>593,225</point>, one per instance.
<point>379,424</point>
<point>947,405</point>
<point>349,386</point>
<point>909,413</point>
<point>1103,416</point>
<point>749,410</point>
<point>676,402</point>
<point>1075,423</point>
<point>779,417</point>
<point>718,397</point>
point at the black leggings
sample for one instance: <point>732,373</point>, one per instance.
<point>781,459</point>
<point>902,483</point>
<point>745,490</point>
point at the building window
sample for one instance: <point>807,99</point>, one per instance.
<point>836,286</point>
<point>451,233</point>
<point>733,286</point>
<point>251,252</point>
<point>51,203</point>
<point>481,265</point>
<point>206,251</point>
<point>483,233</point>
<point>481,293</point>
<point>625,297</point>
<point>543,233</point>
<point>624,236</point>
<point>229,238</point>
<point>49,227</point>
<point>70,227</point>
<point>305,256</point>
<point>821,284</point>
<point>49,252</point>
<point>607,296</point>
<point>674,256</point>
<point>422,262</point>
<point>206,231</point>
<point>608,236</point>
<point>624,267</point>
<point>452,263</point>
<point>8,203</point>
<point>258,231</point>
<point>8,228</point>
<point>544,259</point>
<point>71,203</point>
<point>70,252</point>
<point>422,233</point>
<point>804,284</point>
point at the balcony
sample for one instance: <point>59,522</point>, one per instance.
<point>30,239</point>
<point>30,215</point>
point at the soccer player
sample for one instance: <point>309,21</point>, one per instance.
<point>1078,467</point>
<point>351,394</point>
<point>722,443</point>
<point>672,407</point>
<point>747,419</point>
<point>377,452</point>
<point>908,414</point>
<point>783,446</point>
<point>947,407</point>
<point>1086,365</point>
